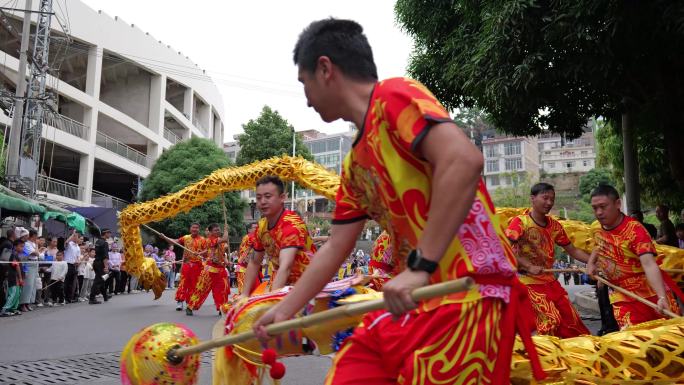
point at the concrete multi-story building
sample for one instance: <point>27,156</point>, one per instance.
<point>559,156</point>
<point>121,97</point>
<point>509,157</point>
<point>329,151</point>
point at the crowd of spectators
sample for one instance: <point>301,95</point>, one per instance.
<point>36,271</point>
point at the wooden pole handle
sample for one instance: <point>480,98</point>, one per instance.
<point>350,310</point>
<point>562,271</point>
<point>169,239</point>
<point>634,296</point>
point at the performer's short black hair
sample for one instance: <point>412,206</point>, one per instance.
<point>195,224</point>
<point>541,188</point>
<point>212,226</point>
<point>272,179</point>
<point>605,190</point>
<point>248,226</point>
<point>343,41</point>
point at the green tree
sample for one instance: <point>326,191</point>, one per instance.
<point>572,60</point>
<point>515,195</point>
<point>186,163</point>
<point>268,136</point>
<point>474,122</point>
<point>593,178</point>
<point>655,179</point>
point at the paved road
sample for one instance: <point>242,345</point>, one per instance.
<point>80,343</point>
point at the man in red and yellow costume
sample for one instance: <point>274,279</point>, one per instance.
<point>214,276</point>
<point>381,265</point>
<point>192,263</point>
<point>413,171</point>
<point>534,235</point>
<point>282,235</point>
<point>245,253</point>
<point>625,254</point>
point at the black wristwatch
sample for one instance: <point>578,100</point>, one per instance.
<point>416,262</point>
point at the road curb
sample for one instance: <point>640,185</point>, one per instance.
<point>586,300</point>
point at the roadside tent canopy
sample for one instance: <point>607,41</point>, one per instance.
<point>102,217</point>
<point>17,205</point>
<point>73,220</point>
<point>12,206</point>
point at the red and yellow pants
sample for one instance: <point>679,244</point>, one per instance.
<point>555,314</point>
<point>628,313</point>
<point>190,272</point>
<point>453,344</point>
<point>214,279</point>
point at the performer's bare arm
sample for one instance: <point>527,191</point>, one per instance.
<point>285,261</point>
<point>576,253</point>
<point>655,279</point>
<point>591,262</point>
<point>324,265</point>
<point>456,166</point>
<point>252,272</point>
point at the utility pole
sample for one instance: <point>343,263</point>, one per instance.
<point>25,155</point>
<point>631,159</point>
<point>15,133</point>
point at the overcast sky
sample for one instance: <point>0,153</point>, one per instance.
<point>246,46</point>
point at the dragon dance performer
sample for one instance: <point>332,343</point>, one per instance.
<point>281,234</point>
<point>192,264</point>
<point>625,253</point>
<point>534,235</point>
<point>213,277</point>
<point>381,266</point>
<point>245,253</point>
<point>412,170</point>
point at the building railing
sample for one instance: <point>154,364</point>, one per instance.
<point>119,148</point>
<point>199,125</point>
<point>66,124</point>
<point>117,203</point>
<point>170,136</point>
<point>59,187</point>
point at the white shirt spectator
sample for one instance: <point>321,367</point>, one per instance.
<point>30,247</point>
<point>82,266</point>
<point>89,272</point>
<point>72,252</point>
<point>115,260</point>
<point>58,270</point>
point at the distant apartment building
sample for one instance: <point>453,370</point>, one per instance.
<point>559,156</point>
<point>509,157</point>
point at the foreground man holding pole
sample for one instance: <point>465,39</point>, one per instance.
<point>414,171</point>
<point>625,254</point>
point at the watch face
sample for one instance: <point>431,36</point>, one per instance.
<point>412,261</point>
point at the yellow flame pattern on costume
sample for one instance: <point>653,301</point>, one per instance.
<point>651,353</point>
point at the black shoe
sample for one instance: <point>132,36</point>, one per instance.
<point>188,311</point>
<point>94,302</point>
